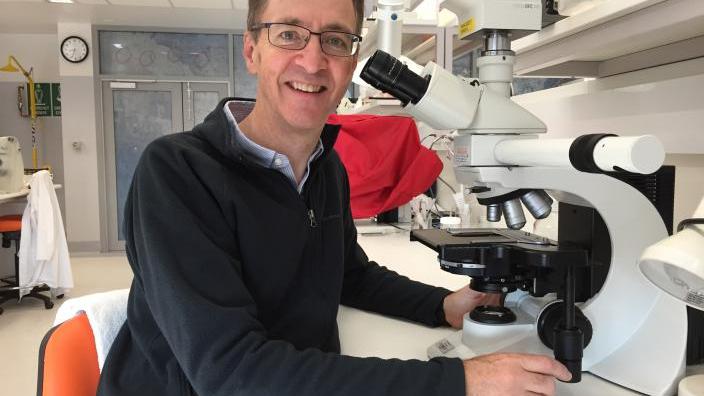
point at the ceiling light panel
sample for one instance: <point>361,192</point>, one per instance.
<point>208,4</point>
<point>146,3</point>
<point>91,1</point>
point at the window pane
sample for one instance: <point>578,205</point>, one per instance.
<point>164,54</point>
<point>245,83</point>
<point>203,103</point>
<point>465,65</point>
<point>524,85</point>
<point>139,117</point>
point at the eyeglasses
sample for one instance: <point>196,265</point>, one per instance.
<point>293,37</point>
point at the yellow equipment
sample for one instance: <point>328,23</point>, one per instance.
<point>17,67</point>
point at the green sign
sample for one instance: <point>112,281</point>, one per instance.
<point>42,99</point>
<point>47,97</point>
<point>56,99</point>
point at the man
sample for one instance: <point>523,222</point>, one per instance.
<point>242,245</point>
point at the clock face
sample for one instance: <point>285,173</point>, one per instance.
<point>74,49</point>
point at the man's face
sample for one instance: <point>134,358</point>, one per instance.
<point>286,77</point>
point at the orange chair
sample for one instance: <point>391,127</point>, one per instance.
<point>11,230</point>
<point>68,360</point>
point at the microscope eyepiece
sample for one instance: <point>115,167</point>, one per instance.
<point>388,74</point>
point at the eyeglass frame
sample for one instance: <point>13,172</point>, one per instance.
<point>267,26</point>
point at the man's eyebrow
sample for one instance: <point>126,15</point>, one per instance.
<point>338,27</point>
<point>331,26</point>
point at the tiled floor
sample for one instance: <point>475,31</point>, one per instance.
<point>22,326</point>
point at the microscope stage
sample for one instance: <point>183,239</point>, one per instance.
<point>462,250</point>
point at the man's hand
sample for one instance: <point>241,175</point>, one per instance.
<point>513,374</point>
<point>465,300</point>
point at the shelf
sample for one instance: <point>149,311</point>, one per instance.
<point>422,41</point>
<point>607,39</point>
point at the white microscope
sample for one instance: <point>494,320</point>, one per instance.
<point>620,328</point>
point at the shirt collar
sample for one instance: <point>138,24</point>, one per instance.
<point>264,156</point>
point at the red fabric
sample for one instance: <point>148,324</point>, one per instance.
<point>385,161</point>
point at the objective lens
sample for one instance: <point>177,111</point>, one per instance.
<point>538,203</point>
<point>493,213</point>
<point>390,75</point>
<point>515,219</point>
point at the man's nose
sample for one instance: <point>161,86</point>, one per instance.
<point>311,58</point>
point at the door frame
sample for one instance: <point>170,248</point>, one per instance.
<point>108,87</point>
<point>189,89</point>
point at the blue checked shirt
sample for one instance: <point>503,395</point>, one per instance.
<point>269,158</point>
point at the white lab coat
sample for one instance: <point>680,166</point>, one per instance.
<point>43,251</point>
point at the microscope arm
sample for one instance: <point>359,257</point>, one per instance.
<point>588,153</point>
<point>594,153</point>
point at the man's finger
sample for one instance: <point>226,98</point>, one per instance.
<point>540,384</point>
<point>545,365</point>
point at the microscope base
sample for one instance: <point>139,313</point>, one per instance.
<point>591,385</point>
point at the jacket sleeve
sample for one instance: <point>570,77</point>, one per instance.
<point>372,287</point>
<point>183,250</point>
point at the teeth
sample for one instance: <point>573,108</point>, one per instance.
<point>306,87</point>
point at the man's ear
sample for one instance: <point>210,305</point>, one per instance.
<point>249,51</point>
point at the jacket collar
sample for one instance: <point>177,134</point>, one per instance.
<point>217,131</point>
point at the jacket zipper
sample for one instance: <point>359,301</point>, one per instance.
<point>302,196</point>
<point>311,217</point>
<point>307,199</point>
<point>311,213</point>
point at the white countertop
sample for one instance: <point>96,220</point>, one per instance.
<point>366,334</point>
<point>13,197</point>
<point>388,337</point>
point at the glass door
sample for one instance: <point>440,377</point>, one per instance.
<point>134,115</point>
<point>199,99</point>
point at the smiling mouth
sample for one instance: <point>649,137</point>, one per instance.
<point>307,88</point>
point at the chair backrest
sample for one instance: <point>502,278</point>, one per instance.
<point>68,362</point>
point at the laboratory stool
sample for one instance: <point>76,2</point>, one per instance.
<point>11,230</point>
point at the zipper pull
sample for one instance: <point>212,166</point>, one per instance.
<point>311,217</point>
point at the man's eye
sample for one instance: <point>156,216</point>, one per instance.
<point>289,35</point>
<point>337,42</point>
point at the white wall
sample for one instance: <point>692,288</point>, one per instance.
<point>666,101</point>
<point>32,50</point>
<point>79,126</point>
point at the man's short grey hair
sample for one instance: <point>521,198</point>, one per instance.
<point>256,7</point>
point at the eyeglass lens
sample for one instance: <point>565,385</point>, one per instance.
<point>295,37</point>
